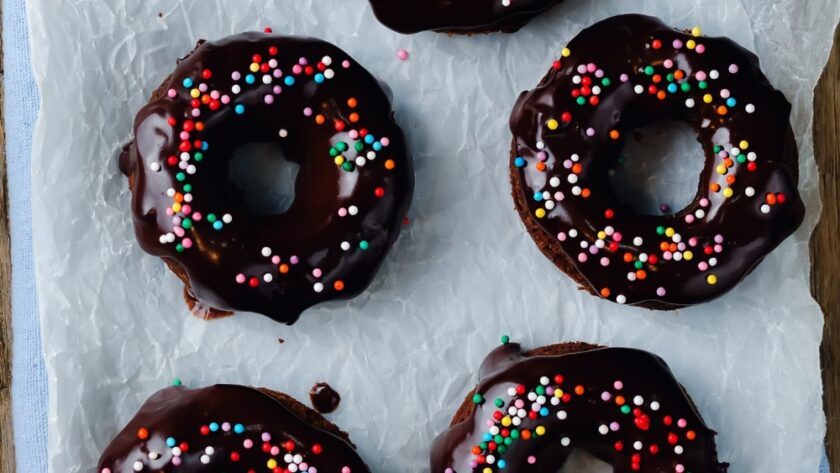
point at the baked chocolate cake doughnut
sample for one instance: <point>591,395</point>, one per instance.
<point>229,428</point>
<point>461,16</point>
<point>531,410</point>
<point>327,114</point>
<point>621,74</point>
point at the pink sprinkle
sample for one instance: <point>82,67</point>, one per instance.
<point>616,237</point>
<point>297,69</point>
<point>582,257</point>
<point>275,259</point>
<point>312,469</point>
<point>307,112</point>
<point>660,291</point>
<point>275,450</point>
<point>718,248</point>
<point>353,134</point>
<point>605,396</point>
<point>169,211</point>
<point>304,467</point>
<point>689,218</point>
<point>345,64</point>
<point>316,272</point>
<point>196,216</point>
<point>549,391</point>
<point>605,261</point>
<point>269,99</point>
<point>266,437</point>
<point>226,427</point>
<point>700,49</point>
<point>733,68</point>
<point>682,423</point>
<point>668,64</point>
<point>240,279</point>
<point>700,75</point>
<point>599,73</point>
<point>178,231</point>
<point>624,77</point>
<point>225,99</point>
<point>679,468</point>
<point>384,141</point>
<point>692,241</point>
<point>402,54</point>
<point>558,196</point>
<point>718,238</point>
<point>568,164</point>
<point>202,87</point>
<point>186,209</point>
<point>342,212</point>
<point>277,73</point>
<point>614,426</point>
<point>215,95</point>
<point>532,459</point>
<point>667,255</point>
<point>195,112</point>
<point>187,243</point>
<point>590,132</point>
<point>294,259</point>
<point>171,93</point>
<point>681,246</point>
<point>590,67</point>
<point>248,443</point>
<point>618,385</point>
<point>561,236</point>
<point>702,266</point>
<point>277,90</point>
<point>593,250</point>
<point>176,461</point>
<point>519,403</point>
<point>542,156</point>
<point>108,470</point>
<point>704,202</point>
<point>345,469</point>
<point>677,44</point>
<point>302,61</point>
<point>184,135</point>
<point>236,75</point>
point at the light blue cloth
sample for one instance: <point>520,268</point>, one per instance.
<point>29,376</point>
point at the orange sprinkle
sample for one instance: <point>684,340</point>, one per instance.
<point>205,99</point>
<point>679,74</point>
<point>354,117</point>
<point>715,187</point>
<point>526,434</point>
<point>690,435</point>
<point>672,247</point>
<point>476,450</point>
<point>143,433</point>
<point>663,246</point>
<point>656,78</point>
<point>770,198</point>
<point>641,274</point>
<point>614,134</point>
<point>320,119</point>
<point>721,110</point>
<point>585,193</point>
<point>661,95</point>
<point>389,164</point>
<point>605,292</point>
<point>579,390</point>
<point>619,400</point>
<point>179,197</point>
<point>199,126</point>
<point>577,168</point>
<point>284,268</point>
<point>338,285</point>
<point>628,257</point>
<point>351,102</point>
<point>728,162</point>
<point>730,179</point>
<point>540,167</point>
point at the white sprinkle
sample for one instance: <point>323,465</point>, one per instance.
<point>191,169</point>
<point>154,167</point>
<point>162,239</point>
<point>678,450</point>
<point>329,74</point>
<point>714,74</point>
<point>360,161</point>
<point>750,108</point>
<point>637,445</point>
<point>576,190</point>
<point>511,392</point>
<point>188,197</point>
<point>266,251</point>
<point>371,155</point>
<point>326,60</point>
<point>603,429</point>
<point>572,178</point>
<point>639,89</point>
<point>352,210</point>
<point>236,88</point>
<point>554,181</point>
<point>549,204</point>
<point>205,459</point>
<point>621,299</point>
<point>138,466</point>
<point>267,277</point>
<point>544,380</point>
<point>345,245</point>
<point>576,79</point>
<point>749,191</point>
<point>596,90</point>
<point>654,406</point>
<point>638,400</point>
<point>712,261</point>
<point>266,79</point>
<point>565,441</point>
<point>154,455</point>
<point>272,63</point>
<point>638,241</point>
<point>699,213</point>
<point>176,451</point>
<point>283,133</point>
<point>751,156</point>
<point>185,156</point>
<point>318,287</point>
<point>209,450</point>
<point>297,458</point>
<point>561,414</point>
<point>573,233</point>
<point>170,192</point>
<point>227,218</point>
<point>575,158</point>
<point>765,209</point>
<point>689,103</point>
<point>540,145</point>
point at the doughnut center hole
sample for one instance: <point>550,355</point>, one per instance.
<point>581,461</point>
<point>264,176</point>
<point>658,170</point>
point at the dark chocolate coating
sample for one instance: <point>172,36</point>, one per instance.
<point>224,418</point>
<point>719,239</point>
<point>361,208</point>
<point>659,414</point>
<point>324,398</point>
<point>458,16</point>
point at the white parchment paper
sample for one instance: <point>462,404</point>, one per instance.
<point>463,272</point>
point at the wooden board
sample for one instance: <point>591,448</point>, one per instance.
<point>825,255</point>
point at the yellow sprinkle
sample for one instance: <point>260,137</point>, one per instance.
<point>558,393</point>
<point>552,124</point>
<point>540,213</point>
<point>744,144</point>
<point>506,421</point>
<point>687,255</point>
<point>690,44</point>
<point>602,235</point>
<point>727,192</point>
<point>707,98</point>
<point>669,232</point>
<point>176,207</point>
<point>487,470</point>
<point>339,160</point>
<point>711,279</point>
<point>540,430</point>
<point>721,169</point>
<point>696,31</point>
<point>271,464</point>
<point>566,52</point>
<point>194,93</point>
<point>254,67</point>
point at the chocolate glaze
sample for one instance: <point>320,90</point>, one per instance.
<point>458,16</point>
<point>324,398</point>
<point>181,414</point>
<point>624,45</point>
<point>595,371</point>
<point>311,229</point>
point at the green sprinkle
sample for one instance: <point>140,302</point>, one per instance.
<point>198,156</point>
<point>483,445</point>
<point>606,82</point>
<point>508,440</point>
<point>741,159</point>
<point>179,248</point>
<point>625,409</point>
<point>638,264</point>
<point>477,399</point>
<point>581,101</point>
<point>514,434</point>
<point>540,390</point>
<point>187,187</point>
<point>669,77</point>
<point>505,339</point>
<point>498,439</point>
<point>717,148</point>
<point>211,218</point>
<point>660,230</point>
<point>686,87</point>
<point>186,224</point>
<point>177,382</point>
<point>364,244</point>
<point>499,403</point>
<point>502,448</point>
<point>347,166</point>
<point>180,177</point>
<point>649,70</point>
<point>342,146</point>
<point>359,146</point>
<point>702,85</point>
<point>334,152</point>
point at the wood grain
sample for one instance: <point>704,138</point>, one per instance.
<point>825,244</point>
<point>825,256</point>
<point>7,454</point>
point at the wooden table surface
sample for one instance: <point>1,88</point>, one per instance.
<point>825,256</point>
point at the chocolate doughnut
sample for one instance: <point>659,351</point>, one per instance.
<point>531,410</point>
<point>229,428</point>
<point>329,115</point>
<point>621,74</point>
<point>462,16</point>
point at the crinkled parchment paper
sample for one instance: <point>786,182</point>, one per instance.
<point>463,272</point>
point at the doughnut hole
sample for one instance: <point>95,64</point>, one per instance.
<point>264,177</point>
<point>658,171</point>
<point>581,461</point>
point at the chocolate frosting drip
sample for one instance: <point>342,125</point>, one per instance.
<point>351,194</point>
<point>458,16</point>
<point>626,72</point>
<point>324,398</point>
<point>608,399</point>
<point>216,424</point>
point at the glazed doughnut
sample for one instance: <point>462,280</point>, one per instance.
<point>229,428</point>
<point>624,73</point>
<point>462,17</point>
<point>531,410</point>
<point>327,114</point>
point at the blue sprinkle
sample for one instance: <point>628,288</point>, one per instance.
<point>239,428</point>
<point>217,225</point>
<point>188,82</point>
<point>377,146</point>
<point>672,88</point>
<point>250,78</point>
<point>501,464</point>
<point>519,162</point>
<point>544,411</point>
<point>730,102</point>
<point>487,437</point>
<point>319,78</point>
<point>538,196</point>
<point>204,146</point>
<point>170,442</point>
<point>369,139</point>
<point>289,80</point>
<point>240,109</point>
<point>214,426</point>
